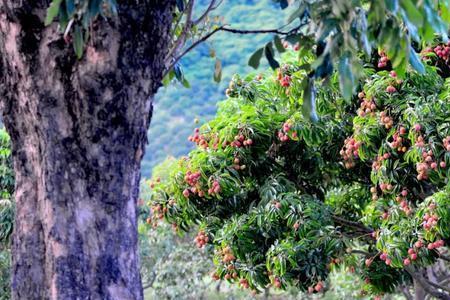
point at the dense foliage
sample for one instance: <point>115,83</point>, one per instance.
<point>336,30</point>
<point>280,200</point>
<point>177,108</point>
<point>6,212</point>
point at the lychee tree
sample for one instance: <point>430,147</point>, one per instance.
<point>281,200</point>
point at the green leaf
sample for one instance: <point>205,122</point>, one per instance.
<point>218,71</point>
<point>63,19</point>
<point>94,8</point>
<point>70,7</point>
<point>178,72</point>
<point>255,59</point>
<point>346,77</point>
<point>309,101</point>
<point>186,83</point>
<point>78,41</point>
<point>52,11</point>
<point>168,78</point>
<point>412,12</point>
<point>415,61</point>
<point>296,14</point>
<point>268,51</point>
<point>392,5</point>
<point>212,52</point>
<point>278,44</point>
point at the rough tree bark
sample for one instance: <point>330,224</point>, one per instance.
<point>78,131</point>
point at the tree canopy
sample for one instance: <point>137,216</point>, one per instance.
<point>338,31</point>
<point>280,200</point>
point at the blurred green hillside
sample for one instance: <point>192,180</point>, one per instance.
<point>176,107</point>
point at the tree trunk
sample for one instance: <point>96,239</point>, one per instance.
<point>419,291</point>
<point>78,130</point>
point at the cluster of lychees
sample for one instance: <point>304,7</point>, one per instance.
<point>350,151</point>
<point>231,272</point>
<point>399,141</point>
<point>386,187</point>
<point>429,221</point>
<point>296,46</point>
<point>227,255</point>
<point>376,165</point>
<point>237,165</point>
<point>402,196</point>
<point>428,163</point>
<point>192,179</point>
<point>391,89</point>
<point>442,51</point>
<point>215,189</point>
<point>203,141</point>
<point>446,142</point>
<point>318,287</point>
<point>201,239</point>
<point>405,207</point>
<point>384,257</point>
<point>284,80</point>
<point>435,245</point>
<point>401,199</point>
<point>244,283</point>
<point>152,184</point>
<point>241,141</point>
<point>277,282</point>
<point>367,106</point>
<point>283,134</point>
<point>382,62</point>
<point>157,213</point>
<point>283,76</point>
<point>232,90</point>
<point>412,253</point>
<point>199,139</point>
<point>373,190</point>
<point>385,120</point>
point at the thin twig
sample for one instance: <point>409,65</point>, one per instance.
<point>179,43</point>
<point>212,6</point>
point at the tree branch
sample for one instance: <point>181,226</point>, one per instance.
<point>427,286</point>
<point>179,43</point>
<point>439,286</point>
<point>150,284</point>
<point>444,257</point>
<point>226,29</point>
<point>404,289</point>
<point>356,225</point>
<point>259,31</point>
